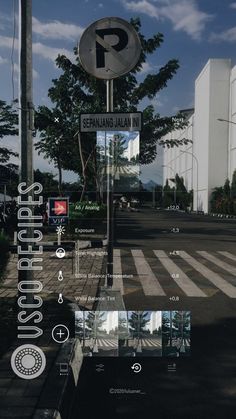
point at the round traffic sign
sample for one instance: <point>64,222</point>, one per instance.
<point>109,48</point>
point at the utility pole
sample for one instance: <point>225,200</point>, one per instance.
<point>110,185</point>
<point>26,121</point>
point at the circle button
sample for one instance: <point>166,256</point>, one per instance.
<point>60,333</point>
<point>28,361</point>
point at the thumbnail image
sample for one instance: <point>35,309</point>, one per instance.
<point>140,333</point>
<point>97,332</point>
<point>176,326</point>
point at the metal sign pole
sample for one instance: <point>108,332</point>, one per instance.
<point>108,59</point>
<point>109,91</point>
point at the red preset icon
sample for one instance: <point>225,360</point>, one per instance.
<point>60,208</point>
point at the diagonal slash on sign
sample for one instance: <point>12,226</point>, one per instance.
<point>111,50</point>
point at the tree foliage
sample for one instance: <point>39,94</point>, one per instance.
<point>8,126</point>
<point>223,198</point>
<point>138,321</point>
<point>76,91</point>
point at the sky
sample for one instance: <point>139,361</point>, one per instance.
<point>194,31</point>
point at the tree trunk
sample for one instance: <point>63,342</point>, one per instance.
<point>84,166</point>
<point>59,177</point>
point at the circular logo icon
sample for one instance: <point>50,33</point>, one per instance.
<point>60,253</point>
<point>136,367</point>
<point>60,333</point>
<point>28,361</point>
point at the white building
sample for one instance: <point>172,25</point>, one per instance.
<point>154,322</point>
<point>133,148</point>
<point>111,322</point>
<point>211,158</point>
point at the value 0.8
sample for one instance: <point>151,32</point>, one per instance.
<point>174,298</point>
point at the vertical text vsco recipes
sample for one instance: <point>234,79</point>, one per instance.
<point>28,360</point>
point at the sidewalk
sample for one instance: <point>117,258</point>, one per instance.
<point>75,286</point>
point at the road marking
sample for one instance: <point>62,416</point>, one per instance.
<point>184,282</point>
<point>117,270</point>
<point>229,268</point>
<point>149,282</point>
<point>187,342</point>
<point>213,277</point>
<point>107,343</point>
<point>151,343</point>
<point>228,255</point>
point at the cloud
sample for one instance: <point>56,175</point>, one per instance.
<point>51,53</point>
<point>3,60</point>
<point>57,30</point>
<point>226,36</point>
<point>35,73</point>
<point>142,6</point>
<point>146,68</point>
<point>5,21</point>
<point>183,14</point>
<point>232,5</point>
<point>42,50</point>
<point>6,42</point>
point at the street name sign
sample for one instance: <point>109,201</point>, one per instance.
<point>111,122</point>
<point>109,48</point>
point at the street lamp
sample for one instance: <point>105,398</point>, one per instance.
<point>226,120</point>
<point>169,167</point>
<point>196,160</point>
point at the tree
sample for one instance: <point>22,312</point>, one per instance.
<point>8,126</point>
<point>181,321</point>
<point>76,91</point>
<point>10,177</point>
<point>55,140</point>
<point>94,321</point>
<point>166,332</point>
<point>138,321</point>
<point>117,148</point>
<point>168,198</point>
<point>47,180</point>
<point>233,185</point>
<point>183,197</point>
<point>226,189</point>
<point>216,198</point>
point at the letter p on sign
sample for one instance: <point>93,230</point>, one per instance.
<point>102,46</point>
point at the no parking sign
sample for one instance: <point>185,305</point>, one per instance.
<point>109,48</point>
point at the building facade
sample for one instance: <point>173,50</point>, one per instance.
<point>211,157</point>
<point>132,150</point>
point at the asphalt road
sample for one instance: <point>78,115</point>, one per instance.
<point>169,256</point>
<point>151,227</point>
<point>204,384</point>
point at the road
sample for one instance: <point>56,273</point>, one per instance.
<point>169,254</point>
<point>203,385</point>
